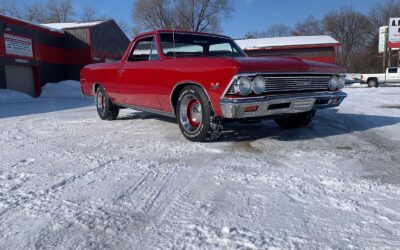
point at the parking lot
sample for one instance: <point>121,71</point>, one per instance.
<point>69,179</point>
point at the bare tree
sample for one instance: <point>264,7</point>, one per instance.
<point>310,27</point>
<point>153,14</point>
<point>125,27</point>
<point>11,8</point>
<point>32,11</point>
<point>381,12</point>
<point>35,12</point>
<point>278,30</point>
<point>202,15</point>
<point>194,15</point>
<point>88,13</point>
<point>60,11</point>
<point>251,35</point>
<point>353,30</point>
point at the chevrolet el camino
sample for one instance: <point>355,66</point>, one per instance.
<point>204,80</point>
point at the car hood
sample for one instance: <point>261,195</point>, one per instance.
<point>285,64</point>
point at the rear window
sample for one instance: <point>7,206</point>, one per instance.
<point>392,70</point>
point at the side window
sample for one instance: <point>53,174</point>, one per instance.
<point>392,70</point>
<point>142,50</point>
<point>154,52</point>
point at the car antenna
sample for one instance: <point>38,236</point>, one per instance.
<point>173,41</point>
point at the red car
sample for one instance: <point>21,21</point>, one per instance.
<point>206,79</point>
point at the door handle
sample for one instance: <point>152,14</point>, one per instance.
<point>121,72</point>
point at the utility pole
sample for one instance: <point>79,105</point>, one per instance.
<point>389,59</point>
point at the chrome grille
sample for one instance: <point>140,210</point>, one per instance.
<point>292,83</point>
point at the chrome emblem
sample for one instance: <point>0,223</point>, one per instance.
<point>215,86</point>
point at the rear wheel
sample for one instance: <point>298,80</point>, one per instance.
<point>105,108</point>
<point>195,115</point>
<point>372,83</point>
<point>296,121</point>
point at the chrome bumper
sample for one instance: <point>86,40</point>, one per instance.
<point>279,105</point>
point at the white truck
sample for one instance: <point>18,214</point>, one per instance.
<point>392,75</point>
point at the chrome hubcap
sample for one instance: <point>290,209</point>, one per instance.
<point>190,113</point>
<point>101,102</point>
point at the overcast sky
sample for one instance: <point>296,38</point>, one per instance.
<point>250,15</point>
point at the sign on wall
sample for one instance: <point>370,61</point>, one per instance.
<point>382,39</point>
<point>18,45</point>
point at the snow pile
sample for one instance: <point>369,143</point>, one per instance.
<point>7,95</point>
<point>35,24</point>
<point>62,89</point>
<point>285,41</point>
<point>73,25</point>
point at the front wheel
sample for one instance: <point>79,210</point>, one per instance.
<point>296,121</point>
<point>372,83</point>
<point>195,115</point>
<point>105,108</point>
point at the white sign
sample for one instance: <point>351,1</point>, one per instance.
<point>382,39</point>
<point>18,46</point>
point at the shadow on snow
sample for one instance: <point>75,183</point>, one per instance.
<point>327,123</point>
<point>41,105</point>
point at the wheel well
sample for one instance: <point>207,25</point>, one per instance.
<point>95,86</point>
<point>372,78</point>
<point>175,94</point>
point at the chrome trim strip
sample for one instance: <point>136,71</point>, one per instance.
<point>194,33</point>
<point>257,98</point>
<point>290,73</point>
<point>149,110</point>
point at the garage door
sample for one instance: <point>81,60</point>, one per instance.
<point>20,78</point>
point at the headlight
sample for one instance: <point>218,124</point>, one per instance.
<point>243,86</point>
<point>333,83</point>
<point>342,82</point>
<point>258,85</point>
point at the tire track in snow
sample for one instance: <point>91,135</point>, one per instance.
<point>49,193</point>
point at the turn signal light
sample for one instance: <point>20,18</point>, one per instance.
<point>251,109</point>
<point>335,101</point>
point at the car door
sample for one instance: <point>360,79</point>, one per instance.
<point>392,75</point>
<point>139,75</point>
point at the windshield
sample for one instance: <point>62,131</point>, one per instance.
<point>193,45</point>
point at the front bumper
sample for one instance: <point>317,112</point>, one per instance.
<point>237,108</point>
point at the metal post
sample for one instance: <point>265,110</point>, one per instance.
<point>398,58</point>
<point>384,60</point>
<point>386,49</point>
<point>389,59</point>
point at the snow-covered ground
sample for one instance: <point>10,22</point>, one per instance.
<point>70,180</point>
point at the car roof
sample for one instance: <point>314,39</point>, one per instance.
<point>180,31</point>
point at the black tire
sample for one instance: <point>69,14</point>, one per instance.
<point>105,108</point>
<point>195,115</point>
<point>296,121</point>
<point>372,83</point>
